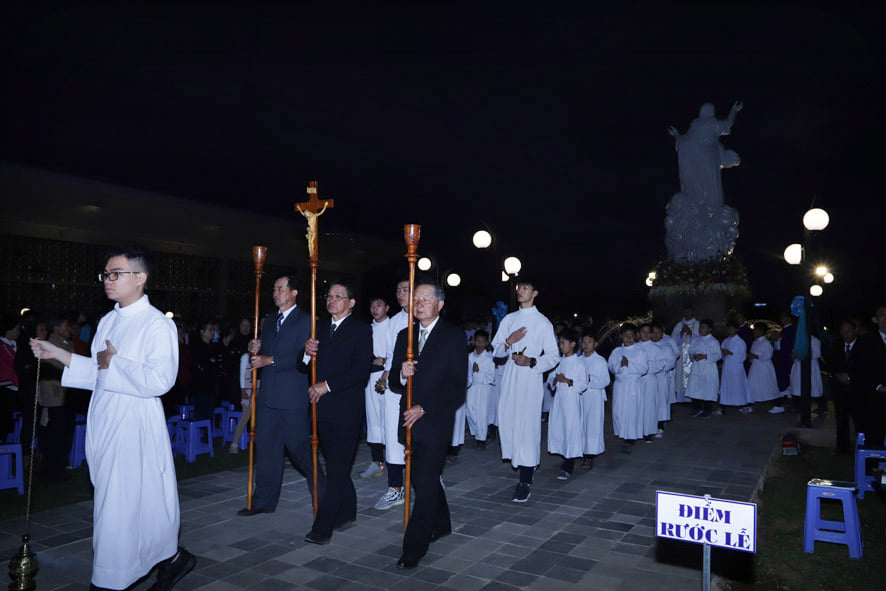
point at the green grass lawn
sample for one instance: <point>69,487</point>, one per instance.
<point>781,563</point>
<point>47,495</point>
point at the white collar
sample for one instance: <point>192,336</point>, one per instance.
<point>337,323</point>
<point>429,327</point>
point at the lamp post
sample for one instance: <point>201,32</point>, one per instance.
<point>814,220</point>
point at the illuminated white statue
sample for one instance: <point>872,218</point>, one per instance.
<point>699,225</point>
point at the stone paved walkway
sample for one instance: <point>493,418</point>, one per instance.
<point>593,532</point>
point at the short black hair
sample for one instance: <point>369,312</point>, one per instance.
<point>570,335</point>
<point>134,254</point>
<point>656,324</point>
<point>378,298</point>
<point>349,289</point>
<point>481,333</point>
<point>707,322</point>
<point>627,326</point>
<point>53,321</point>
<point>849,321</point>
<point>732,323</point>
<point>10,320</point>
<point>291,279</point>
<point>645,325</point>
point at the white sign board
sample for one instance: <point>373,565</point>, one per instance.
<point>703,520</point>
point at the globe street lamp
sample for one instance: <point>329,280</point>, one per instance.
<point>821,270</point>
<point>828,277</point>
<point>482,239</point>
<point>816,219</point>
<point>793,254</point>
<point>816,290</point>
<point>513,265</point>
<point>424,264</point>
<point>504,277</point>
<point>453,280</point>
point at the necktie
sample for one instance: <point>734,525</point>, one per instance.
<point>279,320</point>
<point>422,337</point>
<point>846,351</point>
<point>332,328</point>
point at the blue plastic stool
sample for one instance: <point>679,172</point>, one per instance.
<point>862,453</point>
<point>15,436</point>
<point>219,417</point>
<point>11,473</point>
<point>78,449</point>
<point>189,439</point>
<point>816,529</point>
<point>227,405</point>
<point>231,420</point>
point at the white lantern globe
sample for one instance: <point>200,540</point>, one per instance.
<point>816,290</point>
<point>793,254</point>
<point>482,239</point>
<point>424,264</point>
<point>816,219</point>
<point>504,277</point>
<point>828,278</point>
<point>513,265</point>
<point>453,280</point>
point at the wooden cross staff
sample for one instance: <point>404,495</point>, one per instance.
<point>311,210</point>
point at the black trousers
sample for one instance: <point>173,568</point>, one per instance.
<point>56,439</point>
<point>276,433</point>
<point>843,410</point>
<point>430,512</point>
<point>338,503</point>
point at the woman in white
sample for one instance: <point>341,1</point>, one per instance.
<point>704,381</point>
<point>734,389</point>
<point>629,364</point>
<point>761,375</point>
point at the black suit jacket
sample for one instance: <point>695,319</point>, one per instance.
<point>343,361</point>
<point>283,385</point>
<point>872,351</point>
<point>439,383</point>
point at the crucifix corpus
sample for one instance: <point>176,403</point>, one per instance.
<point>311,209</point>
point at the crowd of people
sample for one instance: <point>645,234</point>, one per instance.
<point>495,382</point>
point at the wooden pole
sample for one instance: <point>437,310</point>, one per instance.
<point>311,211</point>
<point>411,233</point>
<point>259,253</point>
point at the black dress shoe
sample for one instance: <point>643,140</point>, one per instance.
<point>250,512</point>
<point>435,535</point>
<point>313,538</point>
<point>407,563</point>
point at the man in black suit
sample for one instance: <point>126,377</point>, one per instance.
<point>344,354</point>
<point>845,364</point>
<point>281,413</point>
<point>873,381</point>
<point>438,388</point>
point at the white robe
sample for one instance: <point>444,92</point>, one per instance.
<point>375,402</point>
<point>522,388</point>
<point>592,407</point>
<point>495,395</point>
<point>692,323</point>
<point>627,420</point>
<point>796,373</point>
<point>704,381</point>
<point>136,510</point>
<point>458,427</point>
<point>664,380</point>
<point>480,385</point>
<point>565,420</point>
<point>761,376</point>
<point>394,451</point>
<point>734,388</point>
<point>668,343</point>
<point>657,363</point>
<point>683,369</point>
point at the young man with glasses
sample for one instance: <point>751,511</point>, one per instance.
<point>134,361</point>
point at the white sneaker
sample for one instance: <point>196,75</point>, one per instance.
<point>745,410</point>
<point>776,410</point>
<point>718,412</point>
<point>659,434</point>
<point>390,499</point>
<point>373,470</point>
<point>234,448</point>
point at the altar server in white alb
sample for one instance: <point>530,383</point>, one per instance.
<point>664,391</point>
<point>734,389</point>
<point>394,451</point>
<point>375,401</point>
<point>568,382</point>
<point>762,380</point>
<point>657,359</point>
<point>628,363</point>
<point>481,382</point>
<point>815,368</point>
<point>592,401</point>
<point>134,361</point>
<point>704,381</point>
<point>527,338</point>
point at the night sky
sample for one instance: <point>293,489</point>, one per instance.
<point>544,122</point>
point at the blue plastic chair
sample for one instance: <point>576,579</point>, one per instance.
<point>816,529</point>
<point>78,449</point>
<point>11,473</point>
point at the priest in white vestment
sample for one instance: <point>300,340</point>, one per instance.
<point>527,338</point>
<point>734,389</point>
<point>134,361</point>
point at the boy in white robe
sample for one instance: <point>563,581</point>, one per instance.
<point>704,381</point>
<point>592,401</point>
<point>657,360</point>
<point>495,396</point>
<point>568,382</point>
<point>628,363</point>
<point>394,451</point>
<point>134,361</point>
<point>734,389</point>
<point>526,337</point>
<point>481,380</point>
<point>762,380</point>
<point>664,391</point>
<point>375,401</point>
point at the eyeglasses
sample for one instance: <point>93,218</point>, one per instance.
<point>425,300</point>
<point>336,297</point>
<point>114,275</point>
